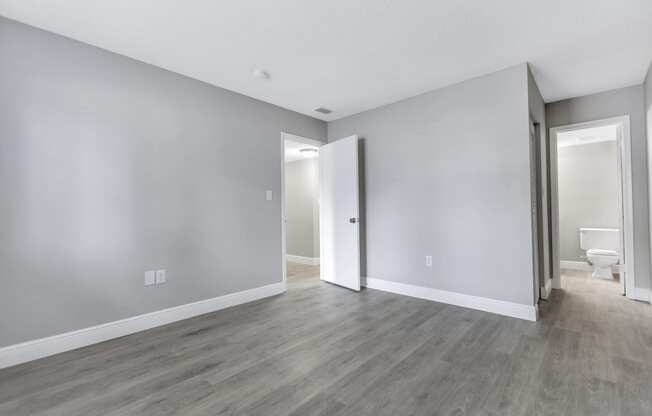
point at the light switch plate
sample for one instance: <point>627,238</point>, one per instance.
<point>429,261</point>
<point>268,195</point>
<point>160,277</point>
<point>150,278</point>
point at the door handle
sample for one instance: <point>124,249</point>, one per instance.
<point>353,220</point>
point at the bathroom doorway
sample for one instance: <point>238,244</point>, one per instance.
<point>301,210</point>
<point>591,200</point>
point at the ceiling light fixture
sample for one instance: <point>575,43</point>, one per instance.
<point>309,152</point>
<point>261,73</point>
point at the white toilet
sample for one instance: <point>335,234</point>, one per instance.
<point>601,245</point>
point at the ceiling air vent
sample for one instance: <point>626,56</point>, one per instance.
<point>323,110</point>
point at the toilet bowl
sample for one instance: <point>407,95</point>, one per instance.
<point>601,245</point>
<point>602,260</point>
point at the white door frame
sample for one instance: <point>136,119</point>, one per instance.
<point>627,218</point>
<point>284,248</point>
<point>536,213</point>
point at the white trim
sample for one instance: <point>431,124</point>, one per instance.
<point>300,139</point>
<point>625,161</point>
<point>554,208</point>
<point>43,347</point>
<point>640,293</point>
<point>541,217</point>
<point>500,307</point>
<point>585,266</point>
<point>575,265</point>
<point>313,261</point>
<point>284,216</point>
<point>535,198</point>
<point>546,289</point>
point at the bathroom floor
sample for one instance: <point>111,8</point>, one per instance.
<point>577,281</point>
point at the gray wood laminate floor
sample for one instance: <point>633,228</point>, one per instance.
<point>324,350</point>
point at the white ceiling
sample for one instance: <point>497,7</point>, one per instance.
<point>587,135</point>
<point>351,56</point>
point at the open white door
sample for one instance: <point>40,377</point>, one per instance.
<point>339,213</point>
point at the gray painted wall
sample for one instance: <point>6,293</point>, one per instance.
<point>447,174</point>
<point>623,101</point>
<point>110,167</point>
<point>302,196</point>
<point>581,202</point>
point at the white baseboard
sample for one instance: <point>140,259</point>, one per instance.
<point>313,261</point>
<point>546,289</point>
<point>515,310</point>
<point>638,293</point>
<point>43,347</point>
<point>575,265</point>
<point>583,266</point>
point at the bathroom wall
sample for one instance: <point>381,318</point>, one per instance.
<point>110,167</point>
<point>302,209</point>
<point>582,203</point>
<point>447,174</point>
<point>623,101</point>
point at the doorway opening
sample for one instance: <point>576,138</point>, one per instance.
<point>591,199</point>
<point>320,205</point>
<point>301,210</point>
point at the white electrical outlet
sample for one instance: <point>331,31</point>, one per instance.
<point>429,261</point>
<point>160,277</point>
<point>150,278</point>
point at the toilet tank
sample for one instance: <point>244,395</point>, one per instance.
<point>600,238</point>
